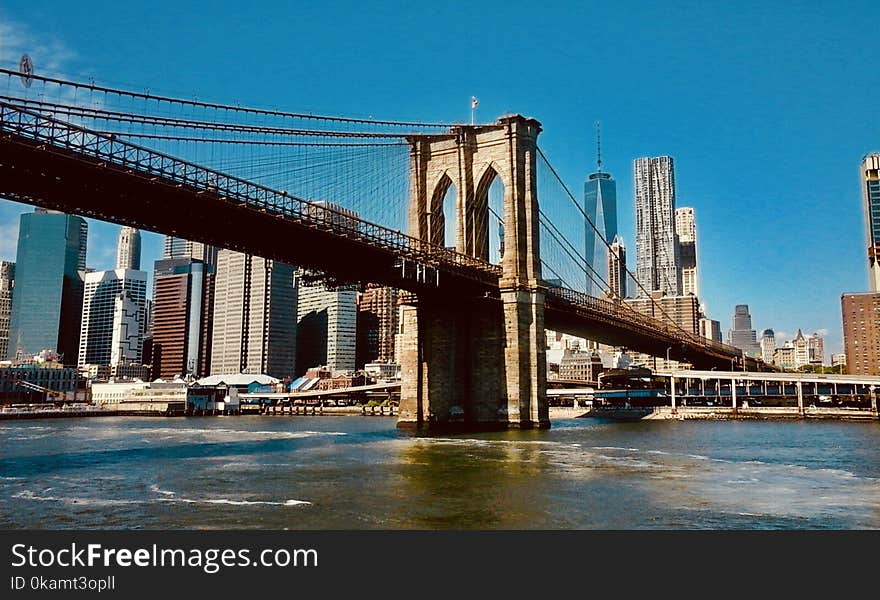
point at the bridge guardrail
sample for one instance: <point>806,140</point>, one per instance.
<point>110,148</point>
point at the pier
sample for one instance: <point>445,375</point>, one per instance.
<point>743,395</point>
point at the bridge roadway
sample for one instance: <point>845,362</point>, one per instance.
<point>60,166</point>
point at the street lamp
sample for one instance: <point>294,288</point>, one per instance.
<point>667,356</point>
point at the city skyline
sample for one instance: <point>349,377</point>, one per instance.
<point>759,187</point>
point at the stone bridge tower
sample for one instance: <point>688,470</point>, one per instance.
<point>477,363</point>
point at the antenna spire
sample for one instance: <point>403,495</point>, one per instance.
<point>598,147</point>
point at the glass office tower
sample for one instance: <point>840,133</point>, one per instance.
<point>49,271</point>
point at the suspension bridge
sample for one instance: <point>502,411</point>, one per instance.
<point>471,221</point>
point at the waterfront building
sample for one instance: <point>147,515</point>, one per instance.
<point>113,317</point>
<point>7,282</point>
<point>49,270</point>
<point>376,325</point>
<point>128,249</point>
<point>617,273</point>
<point>861,332</point>
<point>181,312</point>
<point>600,204</point>
<point>686,229</point>
<point>768,346</point>
<point>816,349</point>
<point>658,265</point>
<point>838,359</point>
<point>870,176</point>
<point>741,335</point>
<point>326,328</point>
<point>710,329</point>
<point>254,327</point>
<point>47,374</point>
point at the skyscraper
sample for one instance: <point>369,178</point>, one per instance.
<point>179,312</point>
<point>768,346</point>
<point>681,311</point>
<point>7,281</point>
<point>710,329</point>
<point>861,332</point>
<point>816,349</point>
<point>254,329</point>
<point>600,203</point>
<point>326,328</point>
<point>658,265</point>
<point>686,229</point>
<point>617,273</point>
<point>376,325</point>
<point>128,249</point>
<point>104,310</point>
<point>742,335</point>
<point>47,304</point>
<point>870,171</point>
<point>176,247</point>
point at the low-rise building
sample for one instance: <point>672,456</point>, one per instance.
<point>382,371</point>
<point>580,366</point>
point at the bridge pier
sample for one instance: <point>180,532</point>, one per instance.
<point>452,366</point>
<point>477,362</point>
<point>474,366</point>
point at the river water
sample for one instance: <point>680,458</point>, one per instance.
<point>288,472</point>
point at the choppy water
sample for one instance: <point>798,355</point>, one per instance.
<point>358,473</point>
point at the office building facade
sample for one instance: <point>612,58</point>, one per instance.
<point>176,247</point>
<point>686,229</point>
<point>617,273</point>
<point>870,178</point>
<point>816,349</point>
<point>710,329</point>
<point>658,265</point>
<point>376,325</point>
<point>741,335</point>
<point>600,204</point>
<point>7,282</point>
<point>326,328</point>
<point>768,346</point>
<point>179,309</point>
<point>254,316</point>
<point>861,332</point>
<point>113,317</point>
<point>128,249</point>
<point>681,311</point>
<point>49,270</point>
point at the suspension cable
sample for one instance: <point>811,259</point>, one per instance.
<point>216,106</point>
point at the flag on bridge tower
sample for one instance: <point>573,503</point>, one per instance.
<point>474,102</point>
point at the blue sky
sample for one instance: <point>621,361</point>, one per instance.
<point>767,107</point>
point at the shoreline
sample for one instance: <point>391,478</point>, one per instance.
<point>682,413</point>
<point>556,413</point>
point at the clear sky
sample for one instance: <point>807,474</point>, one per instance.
<point>767,107</point>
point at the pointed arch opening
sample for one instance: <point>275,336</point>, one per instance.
<point>442,217</point>
<point>489,217</point>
